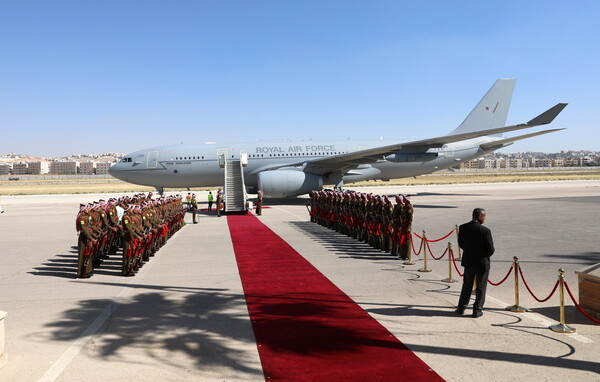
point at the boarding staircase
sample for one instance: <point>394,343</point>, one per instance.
<point>234,191</point>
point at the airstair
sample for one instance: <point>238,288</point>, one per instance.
<point>234,190</point>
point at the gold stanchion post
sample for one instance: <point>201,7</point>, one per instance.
<point>457,245</point>
<point>410,250</point>
<point>424,243</point>
<point>449,279</point>
<point>562,327</point>
<point>516,308</point>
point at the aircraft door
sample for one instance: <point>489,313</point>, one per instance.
<point>244,158</point>
<point>222,157</point>
<point>152,161</point>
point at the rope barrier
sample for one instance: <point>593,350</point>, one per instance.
<point>424,243</point>
<point>431,253</point>
<point>578,306</point>
<point>562,327</point>
<point>516,307</point>
<point>436,240</point>
<point>455,266</point>
<point>410,252</point>
<point>504,279</point>
<point>412,243</point>
<point>449,279</point>
<point>531,292</point>
<point>442,238</point>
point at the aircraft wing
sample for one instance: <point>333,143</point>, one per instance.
<point>495,145</point>
<point>343,162</point>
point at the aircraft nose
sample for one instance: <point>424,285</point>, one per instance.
<point>117,172</point>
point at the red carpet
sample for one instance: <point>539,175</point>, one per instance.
<point>306,328</point>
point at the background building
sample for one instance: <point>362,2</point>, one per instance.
<point>5,168</point>
<point>102,167</point>
<point>87,168</point>
<point>38,168</point>
<point>63,167</point>
<point>20,168</point>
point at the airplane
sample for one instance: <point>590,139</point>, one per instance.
<point>291,168</point>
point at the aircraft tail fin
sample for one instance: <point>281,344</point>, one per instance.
<point>492,110</point>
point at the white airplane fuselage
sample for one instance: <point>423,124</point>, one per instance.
<point>196,165</point>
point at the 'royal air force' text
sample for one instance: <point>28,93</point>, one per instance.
<point>295,149</point>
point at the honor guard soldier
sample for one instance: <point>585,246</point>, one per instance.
<point>396,225</point>
<point>129,241</point>
<point>387,228</point>
<point>406,229</point>
<point>84,243</point>
<point>259,201</point>
<point>194,208</point>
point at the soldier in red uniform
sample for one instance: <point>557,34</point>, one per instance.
<point>396,225</point>
<point>406,229</point>
<point>84,243</point>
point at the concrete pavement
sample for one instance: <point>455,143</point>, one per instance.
<point>183,317</point>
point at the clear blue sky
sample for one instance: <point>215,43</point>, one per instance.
<point>98,76</point>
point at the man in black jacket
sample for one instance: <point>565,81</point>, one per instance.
<point>477,245</point>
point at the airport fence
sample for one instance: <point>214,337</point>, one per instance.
<point>561,285</point>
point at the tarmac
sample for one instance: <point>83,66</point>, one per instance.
<point>183,317</point>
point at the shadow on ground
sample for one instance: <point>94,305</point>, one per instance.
<point>194,325</point>
<point>64,265</point>
<point>341,244</point>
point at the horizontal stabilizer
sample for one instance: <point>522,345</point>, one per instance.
<point>502,142</point>
<point>547,116</point>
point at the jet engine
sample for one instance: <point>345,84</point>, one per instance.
<point>288,183</point>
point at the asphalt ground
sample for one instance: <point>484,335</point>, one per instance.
<point>183,316</point>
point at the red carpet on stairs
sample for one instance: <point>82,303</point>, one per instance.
<point>306,328</point>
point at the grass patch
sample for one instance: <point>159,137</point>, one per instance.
<point>34,186</point>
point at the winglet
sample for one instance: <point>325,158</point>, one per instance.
<point>547,116</point>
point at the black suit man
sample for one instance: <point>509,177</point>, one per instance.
<point>477,245</point>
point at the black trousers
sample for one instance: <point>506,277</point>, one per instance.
<point>471,275</point>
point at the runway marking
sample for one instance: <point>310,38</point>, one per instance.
<point>541,320</point>
<point>72,351</point>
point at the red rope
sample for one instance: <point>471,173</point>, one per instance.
<point>579,307</point>
<point>417,235</point>
<point>442,238</point>
<point>412,243</point>
<point>454,262</point>
<point>534,296</point>
<point>504,279</point>
<point>431,253</point>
